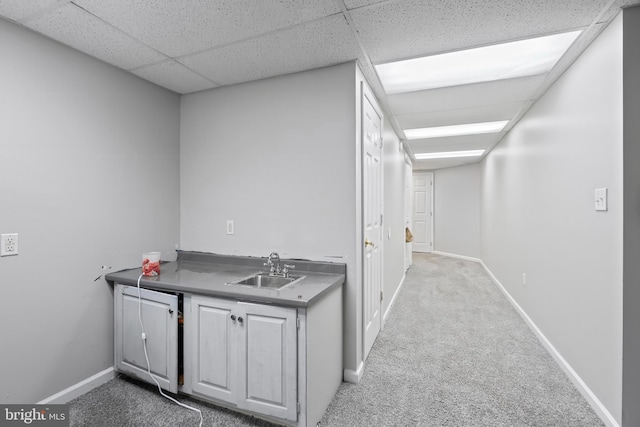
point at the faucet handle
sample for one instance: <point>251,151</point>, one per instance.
<point>286,268</point>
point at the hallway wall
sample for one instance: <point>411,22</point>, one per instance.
<point>538,216</point>
<point>393,224</point>
<point>457,210</point>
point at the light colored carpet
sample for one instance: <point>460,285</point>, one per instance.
<point>453,352</point>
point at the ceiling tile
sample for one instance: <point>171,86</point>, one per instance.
<point>174,76</point>
<point>443,163</point>
<point>486,113</point>
<point>20,9</point>
<point>454,143</point>
<point>406,29</point>
<point>182,27</point>
<point>466,96</point>
<point>312,45</point>
<point>76,28</point>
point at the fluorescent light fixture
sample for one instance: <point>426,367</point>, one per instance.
<point>449,154</point>
<point>455,130</point>
<point>501,61</point>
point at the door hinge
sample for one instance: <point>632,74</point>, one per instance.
<point>298,322</point>
<point>381,296</point>
<point>381,218</point>
<point>298,406</point>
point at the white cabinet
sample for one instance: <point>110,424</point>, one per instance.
<point>243,354</point>
<point>159,313</point>
<point>283,364</point>
<point>210,360</point>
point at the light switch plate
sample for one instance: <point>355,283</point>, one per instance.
<point>601,199</point>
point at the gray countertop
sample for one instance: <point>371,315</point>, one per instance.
<point>210,274</point>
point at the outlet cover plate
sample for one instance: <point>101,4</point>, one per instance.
<point>8,244</point>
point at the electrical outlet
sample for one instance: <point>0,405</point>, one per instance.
<point>8,244</point>
<point>230,227</point>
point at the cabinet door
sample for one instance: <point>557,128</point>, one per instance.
<point>212,354</point>
<point>159,313</point>
<point>268,381</point>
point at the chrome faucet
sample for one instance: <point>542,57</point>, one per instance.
<point>273,262</point>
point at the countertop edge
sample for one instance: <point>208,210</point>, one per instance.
<point>210,274</point>
<point>231,294</point>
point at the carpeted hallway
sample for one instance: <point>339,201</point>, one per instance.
<point>453,352</point>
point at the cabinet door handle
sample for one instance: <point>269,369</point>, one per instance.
<point>170,311</point>
<point>240,319</point>
<point>233,317</point>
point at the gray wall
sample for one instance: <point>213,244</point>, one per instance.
<point>281,158</point>
<point>89,178</point>
<point>277,156</point>
<point>631,352</point>
<point>538,217</point>
<point>457,210</point>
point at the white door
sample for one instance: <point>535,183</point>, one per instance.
<point>372,218</point>
<point>422,212</point>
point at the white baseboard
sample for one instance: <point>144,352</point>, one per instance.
<point>80,388</point>
<point>586,392</point>
<point>467,258</point>
<point>352,376</point>
<point>393,300</point>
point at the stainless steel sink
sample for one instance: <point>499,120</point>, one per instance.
<point>264,280</point>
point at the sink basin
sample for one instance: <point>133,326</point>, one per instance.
<point>263,280</point>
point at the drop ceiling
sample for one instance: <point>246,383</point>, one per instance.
<point>193,45</point>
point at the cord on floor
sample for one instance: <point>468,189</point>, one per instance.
<point>144,342</point>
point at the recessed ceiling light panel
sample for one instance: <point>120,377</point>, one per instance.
<point>455,130</point>
<point>449,154</point>
<point>502,61</point>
